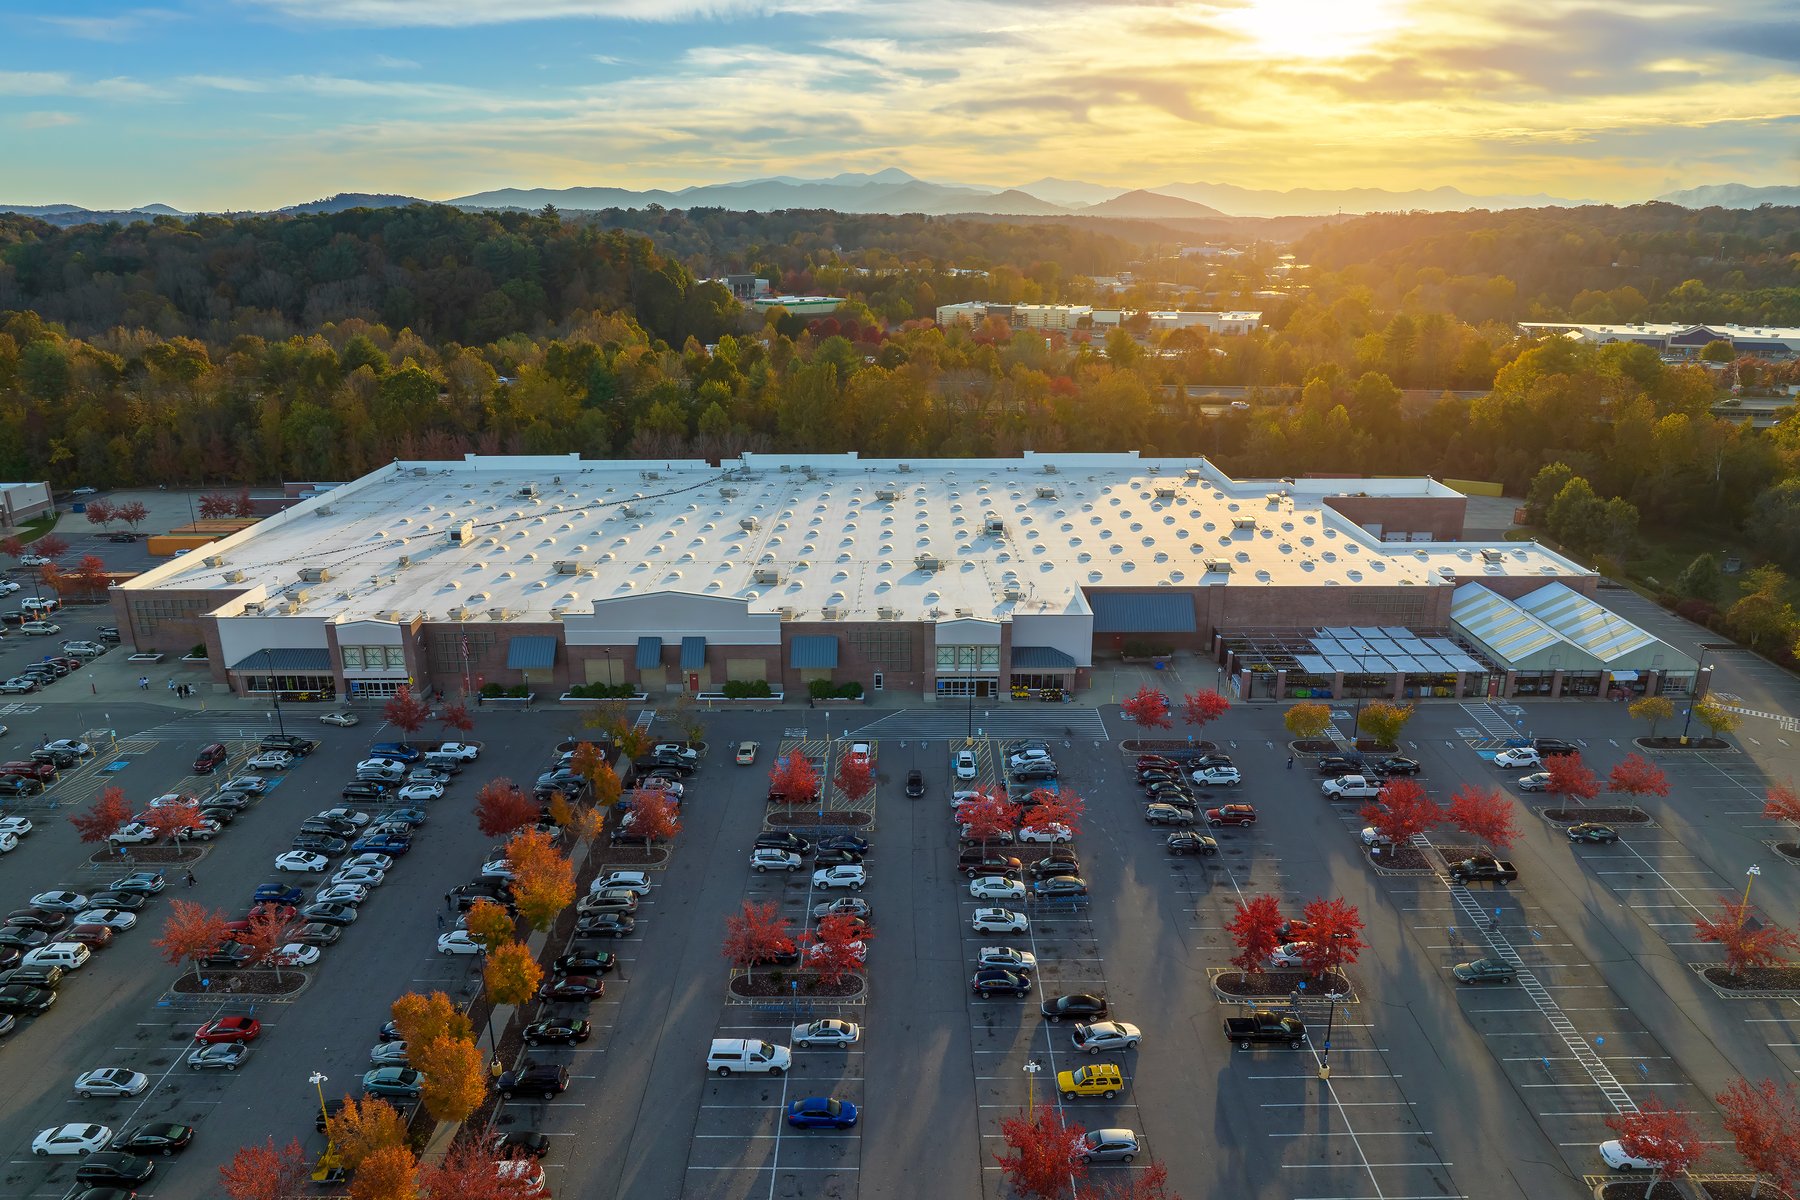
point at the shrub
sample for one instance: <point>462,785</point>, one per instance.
<point>1145,650</point>
<point>824,689</point>
<point>602,691</point>
<point>491,690</point>
<point>746,689</point>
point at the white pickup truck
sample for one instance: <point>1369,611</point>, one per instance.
<point>467,751</point>
<point>1351,787</point>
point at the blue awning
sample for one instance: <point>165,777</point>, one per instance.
<point>814,652</point>
<point>1141,612</point>
<point>287,658</point>
<point>693,653</point>
<point>535,653</point>
<point>1041,658</point>
<point>649,653</point>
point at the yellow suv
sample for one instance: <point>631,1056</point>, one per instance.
<point>1096,1079</point>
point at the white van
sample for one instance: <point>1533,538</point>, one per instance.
<point>70,956</point>
<point>747,1055</point>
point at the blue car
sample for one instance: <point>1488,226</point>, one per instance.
<point>407,816</point>
<point>846,841</point>
<point>382,843</point>
<point>278,893</point>
<point>821,1112</point>
<point>399,750</point>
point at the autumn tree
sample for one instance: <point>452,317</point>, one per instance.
<point>755,934</point>
<point>489,924</point>
<point>1061,807</point>
<point>991,817</point>
<point>13,547</point>
<point>360,1127</point>
<point>1659,1136</point>
<point>133,513</point>
<point>1307,720</point>
<point>1148,707</point>
<point>1636,776</point>
<point>1748,942</point>
<point>421,1018</point>
<point>1780,804</point>
<point>51,545</point>
<point>1716,717</point>
<point>831,947</point>
<point>1334,936</point>
<point>456,1078</point>
<point>794,779</point>
<point>270,929</point>
<point>1383,720</point>
<point>511,974</point>
<point>1570,778</point>
<point>501,808</point>
<point>100,513</point>
<point>1149,1183</point>
<point>90,576</point>
<point>1764,1122</point>
<point>214,505</point>
<point>101,819</point>
<point>389,1173</point>
<point>543,879</point>
<point>604,784</point>
<point>633,742</point>
<point>265,1172</point>
<point>173,821</point>
<point>405,712</point>
<point>854,778</point>
<point>1402,811</point>
<point>1203,707</point>
<point>1256,931</point>
<point>189,932</point>
<point>455,718</point>
<point>467,1173</point>
<point>1040,1159</point>
<point>1485,813</point>
<point>241,504</point>
<point>655,817</point>
<point>1652,709</point>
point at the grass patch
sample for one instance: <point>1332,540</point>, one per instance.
<point>38,526</point>
<point>1661,555</point>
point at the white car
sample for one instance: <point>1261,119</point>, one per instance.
<point>8,842</point>
<point>250,785</point>
<point>17,826</point>
<point>8,587</point>
<point>684,753</point>
<point>844,875</point>
<point>768,859</point>
<point>467,751</point>
<point>858,950</point>
<point>1106,1035</point>
<point>378,862</point>
<point>1218,776</point>
<point>367,877</point>
<point>458,941</point>
<point>860,752</point>
<point>422,791</point>
<point>341,893</point>
<point>355,816</point>
<point>132,833</point>
<point>19,684</point>
<point>1613,1155</point>
<point>110,1081</point>
<point>635,882</point>
<point>271,760</point>
<point>827,1032</point>
<point>304,861</point>
<point>296,954</point>
<point>1000,920</point>
<point>963,764</point>
<point>1023,961</point>
<point>843,906</point>
<point>73,746</point>
<point>996,887</point>
<point>71,1141</point>
<point>1292,954</point>
<point>1054,833</point>
<point>36,560</point>
<point>1372,836</point>
<point>341,719</point>
<point>60,901</point>
<point>175,800</point>
<point>497,868</point>
<point>390,765</point>
<point>113,918</point>
<point>656,783</point>
<point>1518,757</point>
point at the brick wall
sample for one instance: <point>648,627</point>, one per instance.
<point>1442,516</point>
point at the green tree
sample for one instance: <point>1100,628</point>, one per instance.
<point>1545,487</point>
<point>1577,517</point>
<point>1762,617</point>
<point>1700,579</point>
<point>1307,719</point>
<point>1774,522</point>
<point>1654,709</point>
<point>1383,720</point>
<point>1717,351</point>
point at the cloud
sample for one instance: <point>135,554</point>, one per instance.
<point>45,120</point>
<point>413,13</point>
<point>61,83</point>
<point>119,28</point>
<point>395,64</point>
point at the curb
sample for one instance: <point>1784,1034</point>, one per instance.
<point>1701,969</point>
<point>1214,974</point>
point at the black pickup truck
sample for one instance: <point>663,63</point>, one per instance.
<point>1484,868</point>
<point>1265,1026</point>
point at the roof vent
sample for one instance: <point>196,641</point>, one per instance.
<point>463,533</point>
<point>1493,555</point>
<point>1220,565</point>
<point>750,523</point>
<point>314,574</point>
<point>788,613</point>
<point>567,566</point>
<point>928,562</point>
<point>234,577</point>
<point>766,575</point>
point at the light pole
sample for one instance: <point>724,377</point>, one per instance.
<point>1330,1019</point>
<point>274,689</point>
<point>1694,693</point>
<point>1744,905</point>
<point>319,1079</point>
<point>1031,1073</point>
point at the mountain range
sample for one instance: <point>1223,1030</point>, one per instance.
<point>895,191</point>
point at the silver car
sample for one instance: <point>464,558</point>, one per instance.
<point>1108,1145</point>
<point>389,1054</point>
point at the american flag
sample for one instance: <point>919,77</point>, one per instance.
<point>465,645</point>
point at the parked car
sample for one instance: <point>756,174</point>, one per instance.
<point>915,784</point>
<point>340,719</point>
<point>221,1056</point>
<point>1517,758</point>
<point>543,1080</point>
<point>1076,1006</point>
<point>1108,1145</point>
<point>765,859</point>
<point>400,1082</point>
<point>1096,1036</point>
<point>1186,842</point>
<point>1484,970</point>
<point>821,1112</point>
<point>1231,814</point>
<point>996,981</point>
<point>1592,831</point>
<point>1537,781</point>
<point>852,876</point>
<point>210,758</point>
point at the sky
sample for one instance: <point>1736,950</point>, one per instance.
<point>235,104</point>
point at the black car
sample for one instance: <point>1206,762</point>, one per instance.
<point>1035,770</point>
<point>1159,774</point>
<point>832,858</point>
<point>62,760</point>
<point>364,789</point>
<point>235,800</point>
<point>329,826</point>
<point>1550,747</point>
<point>605,924</point>
<point>19,998</point>
<point>976,862</point>
<point>224,814</point>
<point>1080,1006</point>
<point>644,766</point>
<point>1209,760</point>
<point>329,914</point>
<point>783,841</point>
<point>997,981</point>
<point>112,1166</point>
<point>557,1033</point>
<point>915,784</point>
<point>1047,868</point>
<point>520,1143</point>
<point>37,918</point>
<point>534,1079</point>
<point>162,1138</point>
<point>574,987</point>
<point>230,954</point>
<point>18,785</point>
<point>846,841</point>
<point>299,747</point>
<point>1593,831</point>
<point>1399,764</point>
<point>24,939</point>
<point>320,843</point>
<point>585,962</point>
<point>317,933</point>
<point>118,898</point>
<point>1187,842</point>
<point>122,536</point>
<point>1340,764</point>
<point>1168,814</point>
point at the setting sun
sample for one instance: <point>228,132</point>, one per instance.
<point>1315,28</point>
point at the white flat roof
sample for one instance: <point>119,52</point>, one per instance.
<point>835,532</point>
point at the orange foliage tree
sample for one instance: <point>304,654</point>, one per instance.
<point>511,974</point>
<point>456,1079</point>
<point>490,924</point>
<point>754,934</point>
<point>265,1172</point>
<point>467,1173</point>
<point>1637,776</point>
<point>794,779</point>
<point>360,1127</point>
<point>500,808</point>
<point>390,1173</point>
<point>189,932</point>
<point>406,712</point>
<point>421,1018</point>
<point>1747,943</point>
<point>1256,931</point>
<point>101,819</point>
<point>1148,707</point>
<point>1487,813</point>
<point>1040,1159</point>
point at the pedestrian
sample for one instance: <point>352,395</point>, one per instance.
<point>440,918</point>
<point>171,685</point>
<point>1290,762</point>
<point>449,901</point>
<point>190,878</point>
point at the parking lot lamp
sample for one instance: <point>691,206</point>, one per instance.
<point>1700,673</point>
<point>1330,1020</point>
<point>1032,1068</point>
<point>318,1079</point>
<point>1749,878</point>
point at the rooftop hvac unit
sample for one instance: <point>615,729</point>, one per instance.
<point>965,612</point>
<point>788,613</point>
<point>1243,522</point>
<point>1013,592</point>
<point>996,525</point>
<point>651,475</point>
<point>253,608</point>
<point>750,523</point>
<point>1447,572</point>
<point>728,493</point>
<point>1493,555</point>
<point>527,491</point>
<point>557,611</point>
<point>462,533</point>
<point>498,614</point>
<point>314,574</point>
<point>287,608</point>
<point>631,510</point>
<point>787,468</point>
<point>300,595</point>
<point>887,495</point>
<point>1049,468</point>
<point>324,510</point>
<point>767,575</point>
<point>928,562</point>
<point>887,614</point>
<point>234,577</point>
<point>830,613</point>
<point>421,472</point>
<point>1221,565</point>
<point>404,562</point>
<point>1046,493</point>
<point>459,613</point>
<point>904,468</point>
<point>215,560</point>
<point>567,566</point>
<point>1192,474</point>
<point>1165,491</point>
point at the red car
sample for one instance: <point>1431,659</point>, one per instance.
<point>285,912</point>
<point>1231,814</point>
<point>209,758</point>
<point>43,772</point>
<point>94,937</point>
<point>1157,761</point>
<point>229,1029</point>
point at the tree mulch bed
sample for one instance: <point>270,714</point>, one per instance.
<point>631,856</point>
<point>152,855</point>
<point>1755,979</point>
<point>1313,746</point>
<point>1788,850</point>
<point>783,817</point>
<point>1709,1189</point>
<point>778,985</point>
<point>1278,983</point>
<point>1371,746</point>
<point>227,982</point>
<point>1158,745</point>
<point>1400,858</point>
<point>1675,743</point>
<point>1611,816</point>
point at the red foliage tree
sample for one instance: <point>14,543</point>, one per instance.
<point>854,778</point>
<point>189,932</point>
<point>1747,943</point>
<point>173,820</point>
<point>103,817</point>
<point>1658,1136</point>
<point>241,504</point>
<point>1256,931</point>
<point>133,513</point>
<point>992,816</point>
<point>1203,707</point>
<point>13,548</point>
<point>455,717</point>
<point>1040,1159</point>
<point>1403,810</point>
<point>755,934</point>
<point>831,947</point>
<point>270,930</point>
<point>654,817</point>
<point>1148,707</point>
<point>1637,776</point>
<point>1487,813</point>
<point>406,712</point>
<point>1764,1121</point>
<point>501,808</point>
<point>268,1172</point>
<point>1571,778</point>
<point>1150,1183</point>
<point>214,505</point>
<point>1782,804</point>
<point>100,513</point>
<point>1334,936</point>
<point>90,575</point>
<point>1062,807</point>
<point>794,779</point>
<point>468,1173</point>
<point>51,545</point>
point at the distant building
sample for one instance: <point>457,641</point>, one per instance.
<point>1211,252</point>
<point>744,288</point>
<point>19,502</point>
<point>1069,316</point>
<point>807,306</point>
<point>1677,341</point>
